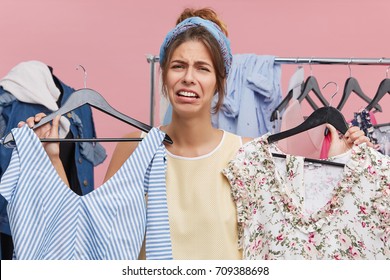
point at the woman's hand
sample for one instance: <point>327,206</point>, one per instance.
<point>353,136</point>
<point>46,131</point>
<point>52,148</point>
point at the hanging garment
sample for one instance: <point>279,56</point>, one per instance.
<point>365,120</point>
<point>32,82</point>
<point>80,158</point>
<point>253,92</point>
<point>49,221</point>
<point>289,211</point>
<point>382,134</point>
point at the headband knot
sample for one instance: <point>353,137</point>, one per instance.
<point>213,28</point>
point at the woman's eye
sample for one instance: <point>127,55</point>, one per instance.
<point>177,66</point>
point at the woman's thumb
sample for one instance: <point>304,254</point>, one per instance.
<point>332,131</point>
<point>54,127</point>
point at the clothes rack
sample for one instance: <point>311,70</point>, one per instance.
<point>152,59</point>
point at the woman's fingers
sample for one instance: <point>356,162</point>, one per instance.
<point>31,121</point>
<point>21,123</point>
<point>54,127</point>
<point>355,136</point>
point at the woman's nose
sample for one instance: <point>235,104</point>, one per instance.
<point>188,76</point>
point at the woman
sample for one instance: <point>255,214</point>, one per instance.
<point>195,60</point>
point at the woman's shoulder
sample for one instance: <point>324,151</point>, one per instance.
<point>134,134</point>
<point>246,139</point>
<point>241,139</point>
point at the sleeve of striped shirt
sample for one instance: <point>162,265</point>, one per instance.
<point>10,177</point>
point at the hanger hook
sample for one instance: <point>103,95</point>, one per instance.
<point>311,70</point>
<point>349,67</point>
<point>85,74</point>
<point>337,90</point>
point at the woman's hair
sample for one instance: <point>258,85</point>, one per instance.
<point>205,13</point>
<point>201,34</point>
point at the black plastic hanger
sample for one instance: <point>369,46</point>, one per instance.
<point>285,102</point>
<point>281,106</point>
<point>381,125</point>
<point>352,85</point>
<point>94,99</point>
<point>320,116</point>
<point>311,84</point>
<point>383,88</point>
<point>321,161</point>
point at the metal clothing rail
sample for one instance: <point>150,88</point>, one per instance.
<point>317,60</point>
<point>330,60</point>
<point>152,59</point>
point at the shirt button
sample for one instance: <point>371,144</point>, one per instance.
<point>85,183</point>
<point>69,115</point>
<point>80,160</point>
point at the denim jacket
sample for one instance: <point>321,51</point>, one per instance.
<point>87,155</point>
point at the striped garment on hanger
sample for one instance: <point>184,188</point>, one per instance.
<point>49,221</point>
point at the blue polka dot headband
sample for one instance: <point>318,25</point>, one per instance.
<point>213,28</point>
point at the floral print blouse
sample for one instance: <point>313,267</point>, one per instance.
<point>289,209</point>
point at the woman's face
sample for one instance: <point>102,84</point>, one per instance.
<point>191,79</point>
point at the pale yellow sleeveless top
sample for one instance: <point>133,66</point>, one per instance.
<point>202,214</point>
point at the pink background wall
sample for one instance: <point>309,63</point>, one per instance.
<point>112,38</point>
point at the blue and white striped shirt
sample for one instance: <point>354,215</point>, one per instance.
<point>49,221</point>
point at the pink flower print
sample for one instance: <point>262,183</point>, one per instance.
<point>240,183</point>
<point>310,249</point>
<point>363,209</point>
<point>330,211</point>
<point>333,200</point>
<point>290,207</point>
<point>364,224</point>
<point>352,252</point>
<point>337,257</point>
<point>370,170</point>
<point>361,244</point>
<point>280,237</point>
<point>344,240</point>
<point>254,211</point>
<point>256,244</point>
<point>311,237</point>
<point>291,175</point>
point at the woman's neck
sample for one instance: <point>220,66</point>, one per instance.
<point>192,137</point>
